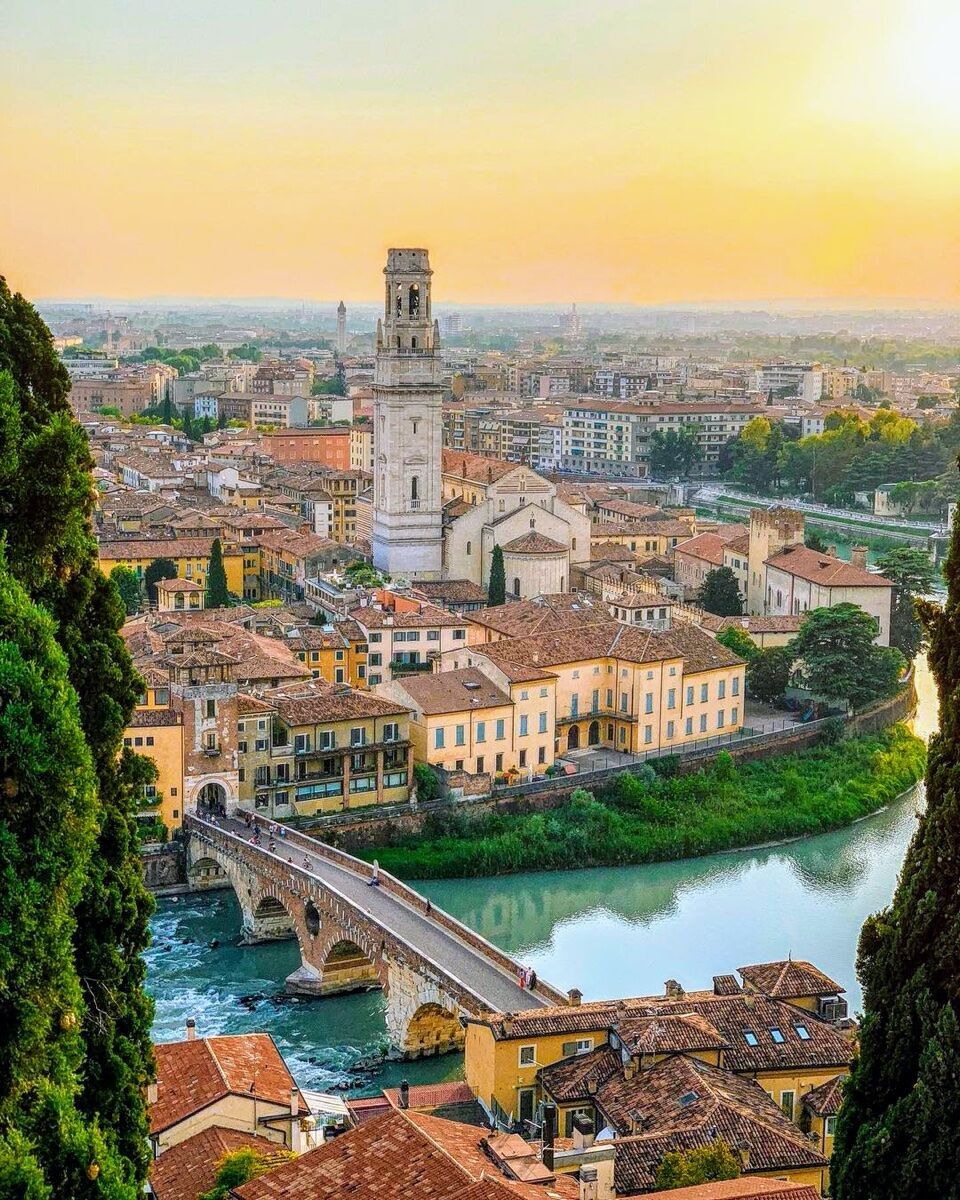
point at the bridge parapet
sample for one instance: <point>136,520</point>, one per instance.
<point>403,891</point>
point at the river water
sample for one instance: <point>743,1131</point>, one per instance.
<point>609,931</point>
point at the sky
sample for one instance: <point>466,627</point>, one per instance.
<point>630,151</point>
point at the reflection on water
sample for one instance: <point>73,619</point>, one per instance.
<point>609,931</point>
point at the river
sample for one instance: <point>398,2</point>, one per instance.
<point>609,931</point>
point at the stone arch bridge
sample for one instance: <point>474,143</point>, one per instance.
<point>354,936</point>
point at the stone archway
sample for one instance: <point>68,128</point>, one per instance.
<point>206,873</point>
<point>212,798</point>
<point>269,921</point>
<point>347,968</point>
<point>593,734</point>
<point>573,737</point>
<point>432,1029</point>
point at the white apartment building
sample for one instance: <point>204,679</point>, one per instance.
<point>807,378</point>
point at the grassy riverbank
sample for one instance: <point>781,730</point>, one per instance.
<point>649,818</point>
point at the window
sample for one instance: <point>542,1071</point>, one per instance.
<point>543,693</point>
<point>438,739</point>
<point>672,698</point>
<point>149,740</point>
<point>542,754</point>
<point>211,709</point>
<point>776,1035</point>
<point>688,726</point>
<point>721,689</point>
<point>528,1056</point>
<point>326,740</point>
<point>498,763</point>
<point>523,758</point>
<point>262,744</point>
<point>670,729</point>
<point>689,695</point>
<point>803,1033</point>
<point>721,717</point>
<point>459,735</point>
<point>433,635</point>
<point>624,702</point>
<point>481,731</point>
<point>374,637</point>
<point>584,1045</point>
<point>458,765</point>
<point>162,696</point>
<point>735,688</point>
<point>734,714</point>
<point>787,1104</point>
<point>829,1126</point>
<point>647,734</point>
<point>358,736</point>
<point>648,702</point>
<point>391,732</point>
<point>704,692</point>
<point>500,730</point>
<point>523,725</point>
<point>375,660</point>
<point>459,635</point>
<point>542,723</point>
<point>703,722</point>
<point>750,1037</point>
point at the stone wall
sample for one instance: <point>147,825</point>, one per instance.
<point>164,868</point>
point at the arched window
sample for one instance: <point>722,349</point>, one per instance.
<point>533,522</point>
<point>573,544</point>
<point>413,343</point>
<point>398,341</point>
<point>469,546</point>
<point>399,300</point>
<point>414,300</point>
<point>516,586</point>
<point>414,488</point>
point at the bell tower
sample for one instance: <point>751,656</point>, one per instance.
<point>407,424</point>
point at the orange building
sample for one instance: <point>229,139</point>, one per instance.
<point>329,445</point>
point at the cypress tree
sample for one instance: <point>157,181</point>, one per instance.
<point>46,498</point>
<point>899,1128</point>
<point>167,413</point>
<point>497,587</point>
<point>217,594</point>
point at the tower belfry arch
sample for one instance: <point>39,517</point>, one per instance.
<point>408,425</point>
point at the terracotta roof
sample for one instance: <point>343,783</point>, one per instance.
<point>824,569</point>
<point>708,547</point>
<point>152,718</point>
<point>563,610</point>
<point>188,1169</point>
<point>193,1074</point>
<point>178,585</point>
<point>784,624</point>
<point>474,467</point>
<point>669,1034</point>
<point>579,1076</point>
<point>399,1155</point>
<point>452,591</point>
<point>789,979</point>
<point>825,1100</point>
<point>682,1103</point>
<point>319,702</point>
<point>629,508</point>
<point>739,545</point>
<point>246,705</point>
<point>747,1187</point>
<point>161,548</point>
<point>432,1095</point>
<point>534,543</point>
<point>427,615</point>
<point>454,691</point>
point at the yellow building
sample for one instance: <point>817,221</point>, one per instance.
<point>179,595</point>
<point>361,448</point>
<point>156,731</point>
<point>191,557</point>
<point>336,653</point>
<point>318,747</point>
<point>464,721</point>
<point>643,538</point>
<point>769,1053</point>
<point>625,688</point>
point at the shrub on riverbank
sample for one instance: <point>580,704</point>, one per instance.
<point>637,819</point>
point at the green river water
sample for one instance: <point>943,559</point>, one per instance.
<point>610,932</point>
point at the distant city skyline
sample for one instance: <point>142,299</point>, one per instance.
<point>621,152</point>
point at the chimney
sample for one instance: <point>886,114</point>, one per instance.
<point>549,1134</point>
<point>191,1029</point>
<point>152,1093</point>
<point>858,557</point>
<point>673,990</point>
<point>575,997</point>
<point>584,1133</point>
<point>294,1102</point>
<point>832,551</point>
<point>404,1094</point>
<point>743,1151</point>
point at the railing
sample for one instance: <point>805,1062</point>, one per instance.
<point>388,883</point>
<point>409,668</point>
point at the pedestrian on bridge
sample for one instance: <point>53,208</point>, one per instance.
<point>374,880</point>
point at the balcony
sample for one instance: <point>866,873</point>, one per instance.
<point>399,667</point>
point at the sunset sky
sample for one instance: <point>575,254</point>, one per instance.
<point>544,150</point>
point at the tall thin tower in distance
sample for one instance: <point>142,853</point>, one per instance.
<point>341,327</point>
<point>407,425</point>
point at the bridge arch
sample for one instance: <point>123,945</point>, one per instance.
<point>433,1029</point>
<point>347,968</point>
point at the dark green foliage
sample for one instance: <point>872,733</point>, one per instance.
<point>128,585</point>
<point>334,386</point>
<point>913,575</point>
<point>840,662</point>
<point>739,642</point>
<point>675,452</point>
<point>704,1164</point>
<point>361,573</point>
<point>719,593</point>
<point>497,587</point>
<point>216,594</point>
<point>899,1127</point>
<point>813,541</point>
<point>240,1167</point>
<point>428,785</point>
<point>768,673</point>
<point>45,516</point>
<point>160,568</point>
<point>166,415</point>
<point>646,817</point>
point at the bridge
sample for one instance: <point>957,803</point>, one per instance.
<point>353,936</point>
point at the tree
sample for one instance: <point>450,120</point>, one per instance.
<point>739,641</point>
<point>128,585</point>
<point>768,673</point>
<point>188,425</point>
<point>840,662</point>
<point>913,575</point>
<point>45,517</point>
<point>705,1164</point>
<point>217,593</point>
<point>240,1167</point>
<point>720,594</point>
<point>497,587</point>
<point>899,1127</point>
<point>675,452</point>
<point>160,568</point>
<point>167,411</point>
<point>813,541</point>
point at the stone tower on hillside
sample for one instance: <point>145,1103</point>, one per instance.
<point>341,327</point>
<point>407,425</point>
